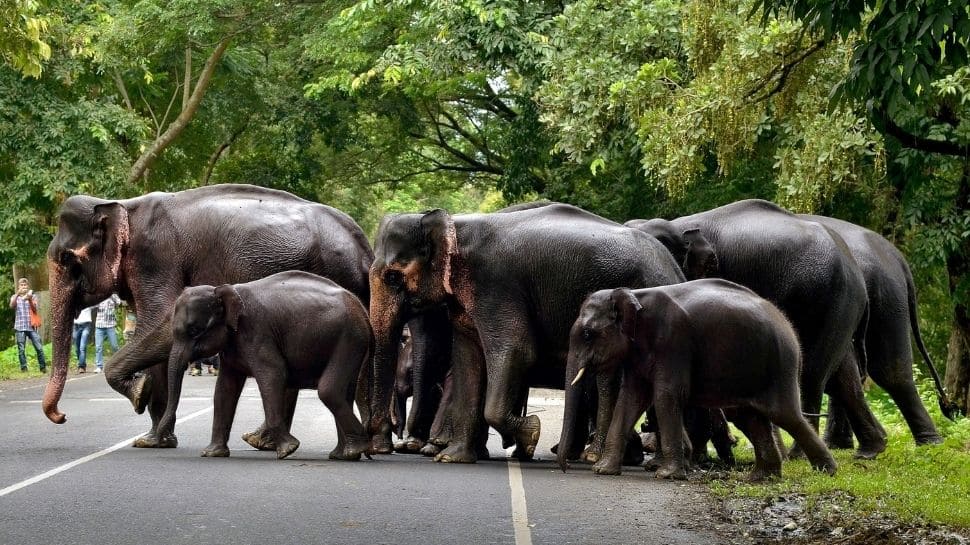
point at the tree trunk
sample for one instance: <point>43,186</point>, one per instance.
<point>957,381</point>
<point>148,158</point>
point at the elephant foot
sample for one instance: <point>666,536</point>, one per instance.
<point>259,440</point>
<point>606,467</point>
<point>215,451</point>
<point>869,449</point>
<point>761,474</point>
<point>430,449</point>
<point>928,439</point>
<point>590,456</point>
<point>672,471</point>
<point>381,444</point>
<point>652,464</point>
<point>527,438</point>
<point>153,440</point>
<point>287,446</point>
<point>457,454</point>
<point>795,452</point>
<point>141,393</point>
<point>351,451</point>
<point>411,445</point>
<point>648,440</point>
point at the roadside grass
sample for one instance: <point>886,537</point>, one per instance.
<point>912,483</point>
<point>10,363</point>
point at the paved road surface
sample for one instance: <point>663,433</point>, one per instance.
<point>80,483</point>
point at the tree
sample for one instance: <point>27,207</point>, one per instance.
<point>23,44</point>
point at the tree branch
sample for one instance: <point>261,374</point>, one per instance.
<point>120,84</point>
<point>780,74</point>
<point>217,154</point>
<point>148,158</point>
<point>910,140</point>
<point>187,84</point>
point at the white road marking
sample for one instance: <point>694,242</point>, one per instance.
<point>520,515</point>
<point>88,458</point>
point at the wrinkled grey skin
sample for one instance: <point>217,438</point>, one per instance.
<point>147,249</point>
<point>806,270</point>
<point>512,283</point>
<point>289,331</point>
<point>892,317</point>
<point>705,343</point>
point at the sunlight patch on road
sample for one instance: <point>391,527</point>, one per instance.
<point>520,515</point>
<point>88,458</point>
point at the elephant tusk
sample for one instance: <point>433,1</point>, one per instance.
<point>579,375</point>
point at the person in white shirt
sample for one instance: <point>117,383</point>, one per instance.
<point>104,326</point>
<point>82,330</point>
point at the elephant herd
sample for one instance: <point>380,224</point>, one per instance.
<point>746,308</point>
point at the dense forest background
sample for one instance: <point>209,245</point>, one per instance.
<point>628,108</point>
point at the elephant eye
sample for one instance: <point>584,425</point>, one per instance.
<point>394,279</point>
<point>588,334</point>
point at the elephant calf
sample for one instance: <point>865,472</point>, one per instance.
<point>290,330</point>
<point>707,343</point>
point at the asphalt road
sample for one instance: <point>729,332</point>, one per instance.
<point>81,483</point>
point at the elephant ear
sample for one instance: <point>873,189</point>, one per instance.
<point>231,305</point>
<point>441,244</point>
<point>627,308</point>
<point>701,259</point>
<point>110,227</point>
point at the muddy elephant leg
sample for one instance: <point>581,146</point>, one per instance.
<point>607,386</point>
<point>260,438</point>
<point>767,458</point>
<point>229,386</point>
<point>846,386</point>
<point>670,419</point>
<point>465,409</point>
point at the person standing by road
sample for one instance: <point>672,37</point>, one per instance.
<point>104,326</point>
<point>82,329</point>
<point>24,301</point>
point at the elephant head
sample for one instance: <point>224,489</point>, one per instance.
<point>203,320</point>
<point>85,266</point>
<point>601,339</point>
<point>411,273</point>
<point>690,248</point>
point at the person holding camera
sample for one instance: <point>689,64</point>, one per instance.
<point>25,324</point>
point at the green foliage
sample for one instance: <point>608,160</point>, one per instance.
<point>10,363</point>
<point>23,36</point>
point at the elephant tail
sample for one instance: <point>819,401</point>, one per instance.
<point>949,409</point>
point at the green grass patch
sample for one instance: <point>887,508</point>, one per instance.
<point>914,484</point>
<point>10,363</point>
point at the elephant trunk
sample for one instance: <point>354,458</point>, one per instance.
<point>573,405</point>
<point>385,312</point>
<point>63,297</point>
<point>178,361</point>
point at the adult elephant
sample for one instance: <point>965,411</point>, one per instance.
<point>148,248</point>
<point>808,272</point>
<point>892,316</point>
<point>513,283</point>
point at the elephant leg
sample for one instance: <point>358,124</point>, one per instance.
<point>670,418</point>
<point>157,402</point>
<point>767,458</point>
<point>789,418</point>
<point>721,437</point>
<point>847,387</point>
<point>896,377</point>
<point>332,390</point>
<point>466,406</point>
<point>607,386</point>
<point>260,438</point>
<point>838,430</point>
<point>501,411</point>
<point>630,402</point>
<point>229,386</point>
<point>272,390</point>
<point>432,336</point>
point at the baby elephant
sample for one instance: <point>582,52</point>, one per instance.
<point>707,343</point>
<point>290,330</point>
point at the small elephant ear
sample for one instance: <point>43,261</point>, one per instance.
<point>627,307</point>
<point>701,259</point>
<point>231,304</point>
